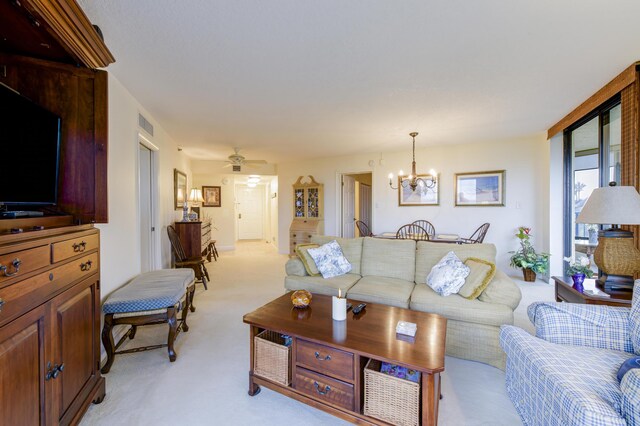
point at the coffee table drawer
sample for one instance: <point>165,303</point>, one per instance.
<point>324,359</point>
<point>325,389</point>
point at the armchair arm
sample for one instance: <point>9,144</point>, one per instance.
<point>630,387</point>
<point>582,325</point>
<point>294,266</point>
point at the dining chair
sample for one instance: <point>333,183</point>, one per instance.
<point>427,226</point>
<point>182,261</point>
<point>363,228</point>
<point>412,232</point>
<point>478,236</point>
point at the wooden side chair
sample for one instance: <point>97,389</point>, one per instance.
<point>180,259</point>
<point>363,228</point>
<point>478,236</point>
<point>412,232</point>
<point>427,226</point>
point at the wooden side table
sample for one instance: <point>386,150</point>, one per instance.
<point>566,293</point>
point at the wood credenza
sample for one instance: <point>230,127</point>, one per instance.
<point>49,325</point>
<point>301,231</point>
<point>194,236</point>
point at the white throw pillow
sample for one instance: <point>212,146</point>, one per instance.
<point>448,275</point>
<point>329,260</point>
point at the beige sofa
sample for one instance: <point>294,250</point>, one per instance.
<point>393,272</point>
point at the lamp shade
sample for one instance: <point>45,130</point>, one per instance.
<point>615,205</point>
<point>195,196</point>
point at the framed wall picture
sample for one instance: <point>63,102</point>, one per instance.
<point>211,196</point>
<point>480,188</point>
<point>422,196</point>
<point>179,189</point>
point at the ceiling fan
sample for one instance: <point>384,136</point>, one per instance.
<point>237,160</point>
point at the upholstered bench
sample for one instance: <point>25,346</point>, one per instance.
<point>150,298</point>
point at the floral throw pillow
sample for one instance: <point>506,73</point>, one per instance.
<point>329,259</point>
<point>448,276</point>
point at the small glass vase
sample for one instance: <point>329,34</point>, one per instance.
<point>578,280</point>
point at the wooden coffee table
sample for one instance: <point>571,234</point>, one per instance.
<point>334,353</point>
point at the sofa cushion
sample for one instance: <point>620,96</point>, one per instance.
<point>480,275</point>
<point>294,266</point>
<point>428,254</point>
<point>320,285</point>
<point>389,258</point>
<point>456,307</point>
<point>302,250</point>
<point>384,290</point>
<point>634,318</point>
<point>448,276</point>
<point>351,248</point>
<point>502,290</point>
<point>330,260</point>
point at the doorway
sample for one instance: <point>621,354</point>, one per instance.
<point>250,212</point>
<point>146,173</point>
<point>356,202</point>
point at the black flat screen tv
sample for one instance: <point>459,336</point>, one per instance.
<point>30,147</point>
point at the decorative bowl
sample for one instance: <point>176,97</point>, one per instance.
<point>301,298</point>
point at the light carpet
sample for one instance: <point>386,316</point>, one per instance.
<point>207,384</point>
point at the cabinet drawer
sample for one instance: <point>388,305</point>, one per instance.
<point>26,294</point>
<point>325,389</point>
<point>325,359</point>
<point>69,248</point>
<point>26,260</point>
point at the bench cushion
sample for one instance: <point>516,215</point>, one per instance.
<point>152,290</point>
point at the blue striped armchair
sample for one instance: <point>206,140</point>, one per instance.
<point>566,373</point>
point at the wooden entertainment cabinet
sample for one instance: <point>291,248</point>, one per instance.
<point>49,321</point>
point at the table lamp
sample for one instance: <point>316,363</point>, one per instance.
<point>195,197</point>
<point>616,255</point>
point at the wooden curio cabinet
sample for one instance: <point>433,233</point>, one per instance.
<point>308,215</point>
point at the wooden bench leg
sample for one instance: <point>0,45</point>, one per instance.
<point>132,332</point>
<point>107,341</point>
<point>173,328</point>
<point>185,308</point>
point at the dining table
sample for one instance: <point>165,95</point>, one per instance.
<point>439,238</point>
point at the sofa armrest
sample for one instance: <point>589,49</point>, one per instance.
<point>630,387</point>
<point>582,325</point>
<point>294,266</point>
<point>502,290</point>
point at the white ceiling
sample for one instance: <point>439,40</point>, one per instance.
<point>294,79</point>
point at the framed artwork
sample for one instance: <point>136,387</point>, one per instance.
<point>179,189</point>
<point>421,196</point>
<point>480,188</point>
<point>211,196</point>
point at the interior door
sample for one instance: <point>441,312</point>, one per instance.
<point>348,206</point>
<point>145,203</point>
<point>250,212</point>
<point>365,204</point>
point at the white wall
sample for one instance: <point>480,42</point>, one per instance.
<point>556,211</point>
<point>120,238</point>
<point>526,161</point>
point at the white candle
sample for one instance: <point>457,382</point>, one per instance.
<point>339,308</point>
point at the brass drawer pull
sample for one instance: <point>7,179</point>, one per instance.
<point>16,265</point>
<point>86,266</point>
<point>326,358</point>
<point>327,388</point>
<point>79,247</point>
<point>2,302</point>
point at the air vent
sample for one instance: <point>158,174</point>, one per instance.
<point>237,168</point>
<point>144,124</point>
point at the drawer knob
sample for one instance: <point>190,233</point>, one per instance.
<point>86,266</point>
<point>320,358</point>
<point>1,304</point>
<point>294,235</point>
<point>16,266</point>
<point>79,247</point>
<point>326,390</point>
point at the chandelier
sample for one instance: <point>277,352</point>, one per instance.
<point>413,181</point>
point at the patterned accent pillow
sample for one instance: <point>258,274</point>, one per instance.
<point>307,260</point>
<point>634,318</point>
<point>448,275</point>
<point>330,260</point>
<point>480,275</point>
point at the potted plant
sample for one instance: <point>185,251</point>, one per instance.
<point>579,269</point>
<point>527,259</point>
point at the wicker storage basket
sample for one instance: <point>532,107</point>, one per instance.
<point>272,357</point>
<point>389,398</point>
